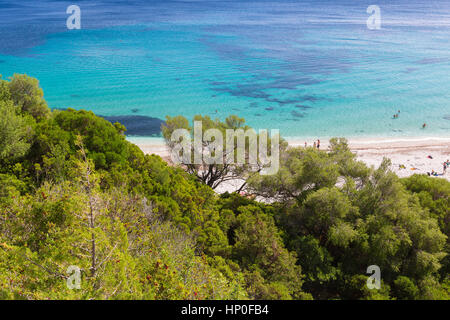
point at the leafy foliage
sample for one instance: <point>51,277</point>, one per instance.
<point>230,145</point>
<point>341,217</point>
<point>74,192</point>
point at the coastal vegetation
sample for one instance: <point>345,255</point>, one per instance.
<point>75,194</point>
<point>218,151</point>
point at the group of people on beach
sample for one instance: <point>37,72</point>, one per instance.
<point>446,164</point>
<point>316,144</point>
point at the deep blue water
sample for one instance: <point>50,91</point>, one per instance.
<point>308,68</point>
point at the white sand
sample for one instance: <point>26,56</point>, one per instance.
<point>411,152</point>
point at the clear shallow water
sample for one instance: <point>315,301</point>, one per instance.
<point>308,68</point>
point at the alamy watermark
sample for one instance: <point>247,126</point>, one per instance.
<point>374,21</point>
<point>74,20</point>
<point>74,280</point>
<point>374,281</point>
<point>211,147</point>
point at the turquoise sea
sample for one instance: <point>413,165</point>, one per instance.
<point>309,68</point>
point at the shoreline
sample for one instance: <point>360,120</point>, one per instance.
<point>411,152</point>
<point>152,140</point>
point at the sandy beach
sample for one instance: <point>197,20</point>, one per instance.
<point>412,153</point>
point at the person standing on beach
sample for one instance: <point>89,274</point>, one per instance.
<point>314,145</point>
<point>318,144</point>
<point>306,144</point>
